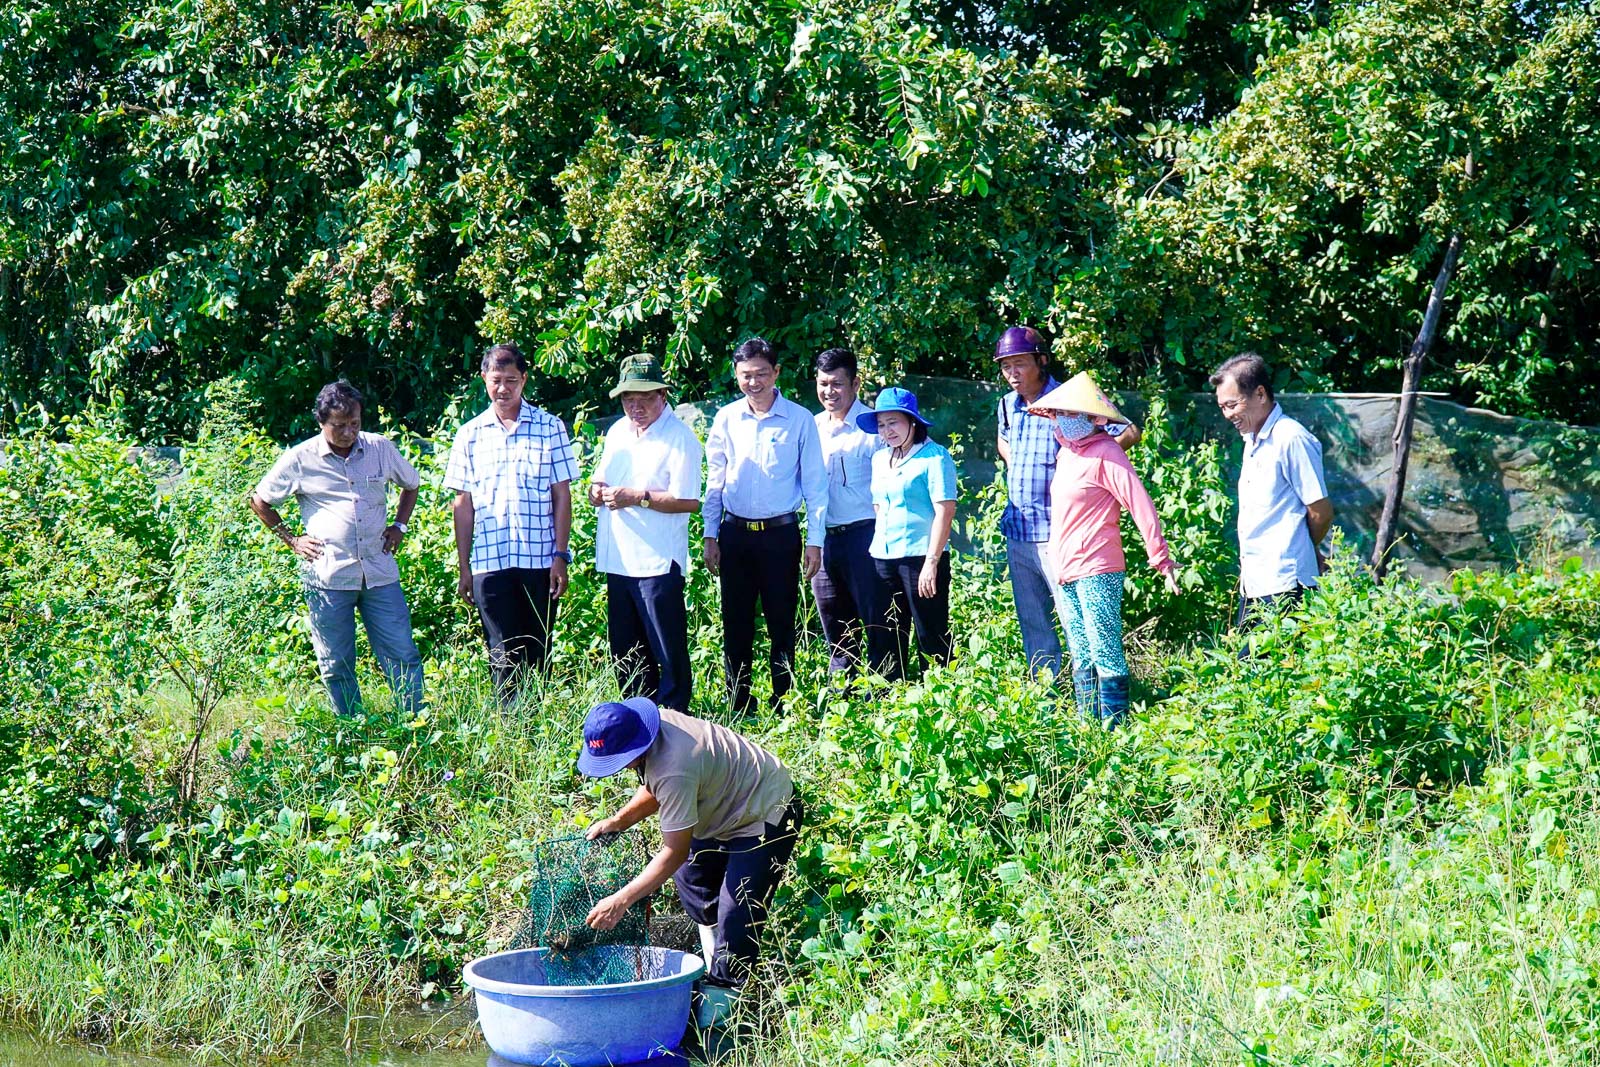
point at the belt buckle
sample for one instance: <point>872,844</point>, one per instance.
<point>755,527</point>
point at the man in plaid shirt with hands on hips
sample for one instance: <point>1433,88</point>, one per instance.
<point>512,469</point>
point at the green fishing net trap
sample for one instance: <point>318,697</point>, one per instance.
<point>570,876</point>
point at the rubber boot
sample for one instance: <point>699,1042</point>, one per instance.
<point>708,944</point>
<point>715,1007</point>
<point>1113,700</point>
<point>1086,692</point>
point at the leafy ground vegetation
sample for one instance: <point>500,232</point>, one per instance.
<point>1373,839</point>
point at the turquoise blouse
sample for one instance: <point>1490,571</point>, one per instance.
<point>903,495</point>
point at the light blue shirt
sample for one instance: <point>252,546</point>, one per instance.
<point>1282,473</point>
<point>847,452</point>
<point>759,466</point>
<point>904,495</point>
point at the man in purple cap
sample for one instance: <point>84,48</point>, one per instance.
<point>1028,448</point>
<point>729,818</point>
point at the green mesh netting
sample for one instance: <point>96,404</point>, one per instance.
<point>570,876</point>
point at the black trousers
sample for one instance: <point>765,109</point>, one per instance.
<point>729,885</point>
<point>517,612</point>
<point>906,609</point>
<point>648,625</point>
<point>759,567</point>
<point>1254,609</point>
<point>848,593</point>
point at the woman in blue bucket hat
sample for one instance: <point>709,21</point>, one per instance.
<point>729,818</point>
<point>914,500</point>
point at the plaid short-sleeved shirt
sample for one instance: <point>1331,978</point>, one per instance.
<point>1028,472</point>
<point>510,474</point>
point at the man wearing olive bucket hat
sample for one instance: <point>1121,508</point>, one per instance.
<point>1093,483</point>
<point>729,819</point>
<point>644,489</point>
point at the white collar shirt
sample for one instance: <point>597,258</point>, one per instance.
<point>640,542</point>
<point>847,452</point>
<point>762,465</point>
<point>1281,474</point>
<point>344,504</point>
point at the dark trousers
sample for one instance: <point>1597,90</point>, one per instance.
<point>848,593</point>
<point>759,566</point>
<point>1253,610</point>
<point>906,609</point>
<point>729,885</point>
<point>648,624</point>
<point>517,613</point>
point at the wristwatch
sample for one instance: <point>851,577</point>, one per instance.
<point>644,501</point>
<point>398,525</point>
<point>563,555</point>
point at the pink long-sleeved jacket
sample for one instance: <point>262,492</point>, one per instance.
<point>1093,483</point>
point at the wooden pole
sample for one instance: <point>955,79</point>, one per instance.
<point>1389,523</point>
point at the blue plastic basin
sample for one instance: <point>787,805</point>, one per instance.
<point>526,1021</point>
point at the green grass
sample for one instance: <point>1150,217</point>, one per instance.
<point>1373,841</point>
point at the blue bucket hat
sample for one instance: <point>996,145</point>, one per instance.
<point>615,734</point>
<point>893,398</point>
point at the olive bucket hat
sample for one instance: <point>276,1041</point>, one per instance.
<point>639,373</point>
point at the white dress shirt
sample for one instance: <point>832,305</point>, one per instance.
<point>847,452</point>
<point>640,542</point>
<point>759,466</point>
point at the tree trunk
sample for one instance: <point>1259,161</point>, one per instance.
<point>1406,417</point>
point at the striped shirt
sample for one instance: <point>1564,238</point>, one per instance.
<point>510,475</point>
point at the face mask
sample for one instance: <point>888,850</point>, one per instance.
<point>1074,427</point>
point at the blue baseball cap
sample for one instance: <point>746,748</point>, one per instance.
<point>893,398</point>
<point>617,733</point>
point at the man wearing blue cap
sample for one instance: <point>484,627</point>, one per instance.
<point>729,818</point>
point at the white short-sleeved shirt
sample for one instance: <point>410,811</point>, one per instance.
<point>510,475</point>
<point>641,542</point>
<point>1282,473</point>
<point>344,504</point>
<point>847,452</point>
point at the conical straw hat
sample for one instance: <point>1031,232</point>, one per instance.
<point>1081,395</point>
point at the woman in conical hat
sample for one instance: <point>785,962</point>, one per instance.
<point>1092,485</point>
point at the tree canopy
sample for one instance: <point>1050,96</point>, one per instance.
<point>278,191</point>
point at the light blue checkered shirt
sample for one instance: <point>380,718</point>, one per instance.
<point>1029,470</point>
<point>510,474</point>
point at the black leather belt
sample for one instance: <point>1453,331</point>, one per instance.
<point>851,526</point>
<point>757,525</point>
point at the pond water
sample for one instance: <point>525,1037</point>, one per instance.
<point>384,1049</point>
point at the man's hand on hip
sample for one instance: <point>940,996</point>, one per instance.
<point>307,547</point>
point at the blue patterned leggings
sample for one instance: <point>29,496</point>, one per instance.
<point>1094,623</point>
